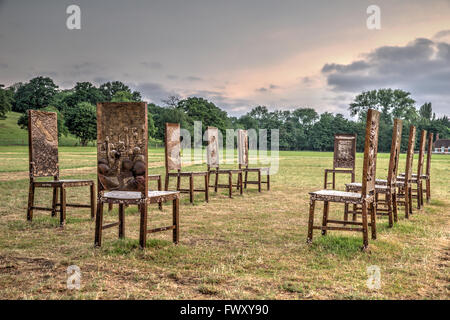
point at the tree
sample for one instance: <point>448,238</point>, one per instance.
<point>391,103</point>
<point>36,94</point>
<point>82,122</point>
<point>122,96</point>
<point>62,129</point>
<point>6,99</point>
<point>84,92</point>
<point>426,111</point>
<point>199,109</point>
<point>110,89</point>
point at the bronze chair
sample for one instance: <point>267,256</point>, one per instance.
<point>390,188</point>
<point>243,162</point>
<point>416,179</point>
<point>173,162</point>
<point>122,168</point>
<point>366,198</point>
<point>212,157</point>
<point>43,155</point>
<point>343,158</point>
<point>427,176</point>
<point>151,177</point>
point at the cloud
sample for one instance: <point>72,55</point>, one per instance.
<point>267,89</point>
<point>152,91</point>
<point>193,78</point>
<point>3,66</point>
<point>442,34</point>
<point>152,65</point>
<point>421,67</point>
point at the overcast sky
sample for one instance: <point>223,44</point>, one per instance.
<point>236,53</point>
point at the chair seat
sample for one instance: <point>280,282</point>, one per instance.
<point>191,173</point>
<point>402,179</point>
<point>357,186</point>
<point>336,196</point>
<point>256,169</point>
<point>227,171</point>
<point>414,175</point>
<point>135,196</point>
<point>66,183</point>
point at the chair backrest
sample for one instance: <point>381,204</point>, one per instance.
<point>423,140</point>
<point>429,152</point>
<point>43,144</point>
<point>344,151</point>
<point>395,152</point>
<point>173,147</point>
<point>212,150</point>
<point>370,153</point>
<point>122,147</point>
<point>410,153</point>
<point>242,143</point>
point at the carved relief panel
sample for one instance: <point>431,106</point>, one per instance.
<point>212,150</point>
<point>370,152</point>
<point>344,150</point>
<point>173,146</point>
<point>243,147</point>
<point>122,143</point>
<point>43,143</point>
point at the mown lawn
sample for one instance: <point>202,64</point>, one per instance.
<point>249,247</point>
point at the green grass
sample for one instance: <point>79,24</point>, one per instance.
<point>249,247</point>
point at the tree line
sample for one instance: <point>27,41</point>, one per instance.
<point>299,129</point>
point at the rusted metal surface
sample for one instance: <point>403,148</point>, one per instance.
<point>173,162</point>
<point>242,144</point>
<point>122,141</point>
<point>212,152</point>
<point>43,143</point>
<point>366,198</point>
<point>343,158</point>
<point>388,187</point>
<point>122,158</point>
<point>43,162</point>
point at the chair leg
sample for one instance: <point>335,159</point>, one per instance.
<point>312,204</point>
<point>230,185</point>
<point>365,226</point>
<point>418,196</point>
<point>407,203</point>
<point>62,217</point>
<point>54,201</point>
<point>410,200</point>
<point>259,180</point>
<point>421,194</point>
<point>395,206</point>
<point>176,220</point>
<point>160,205</point>
<point>268,182</point>
<point>30,202</point>
<point>246,179</point>
<point>98,225</point>
<point>216,182</point>
<point>240,183</point>
<point>207,188</point>
<point>110,206</point>
<point>143,226</point>
<point>428,182</point>
<point>326,207</point>
<point>346,210</point>
<point>92,193</point>
<point>355,207</point>
<point>191,188</point>
<point>389,203</point>
<point>373,220</point>
<point>121,221</point>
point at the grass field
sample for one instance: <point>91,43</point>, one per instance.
<point>249,247</point>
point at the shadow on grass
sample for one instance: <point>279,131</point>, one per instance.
<point>345,247</point>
